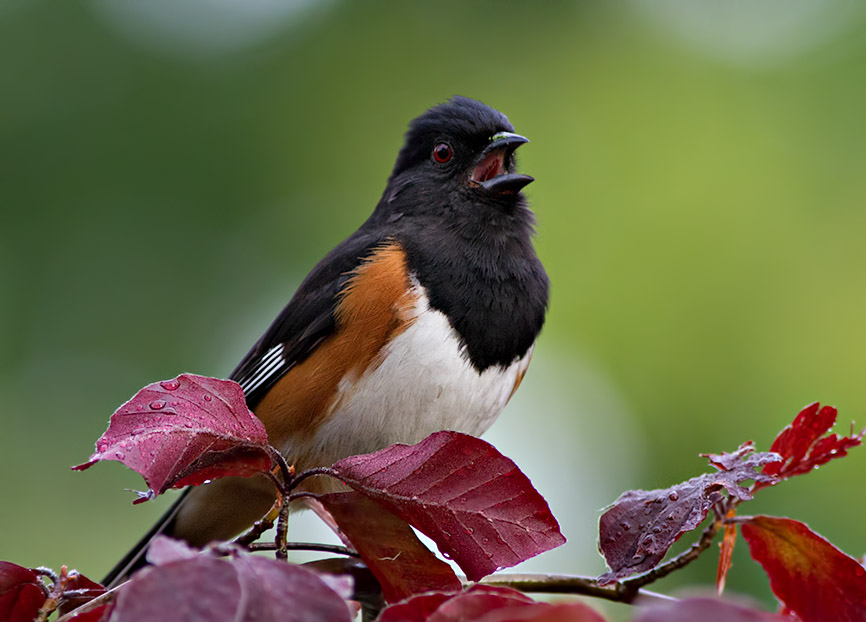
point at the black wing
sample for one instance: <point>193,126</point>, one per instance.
<point>305,322</point>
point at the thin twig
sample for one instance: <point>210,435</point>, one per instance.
<point>287,471</point>
<point>46,572</point>
<point>300,477</point>
<point>304,546</point>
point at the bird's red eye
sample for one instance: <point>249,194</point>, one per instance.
<point>442,153</point>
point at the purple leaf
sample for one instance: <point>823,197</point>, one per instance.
<point>245,588</point>
<point>636,532</point>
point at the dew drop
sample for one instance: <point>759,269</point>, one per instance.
<point>625,525</point>
<point>206,397</point>
<point>120,455</point>
<point>638,558</point>
<point>673,496</point>
<point>469,531</point>
<point>157,404</point>
<point>657,529</point>
<point>170,385</point>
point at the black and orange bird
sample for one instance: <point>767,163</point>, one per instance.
<point>422,320</point>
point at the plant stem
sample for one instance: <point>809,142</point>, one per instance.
<point>283,530</point>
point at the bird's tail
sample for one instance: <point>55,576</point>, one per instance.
<point>135,559</point>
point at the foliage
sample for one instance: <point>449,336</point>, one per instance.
<point>473,502</point>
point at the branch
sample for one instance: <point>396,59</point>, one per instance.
<point>304,546</point>
<point>571,584</point>
<point>282,530</point>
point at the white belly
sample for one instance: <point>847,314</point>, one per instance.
<point>423,384</point>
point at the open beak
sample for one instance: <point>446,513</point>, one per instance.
<point>491,171</point>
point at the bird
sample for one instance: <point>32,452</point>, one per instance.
<point>424,319</point>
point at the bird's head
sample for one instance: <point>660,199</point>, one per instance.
<point>464,146</point>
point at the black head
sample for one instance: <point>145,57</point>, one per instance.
<point>462,145</point>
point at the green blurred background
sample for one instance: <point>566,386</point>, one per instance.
<point>170,170</point>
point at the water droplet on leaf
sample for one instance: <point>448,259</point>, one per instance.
<point>673,496</point>
<point>157,404</point>
<point>170,385</point>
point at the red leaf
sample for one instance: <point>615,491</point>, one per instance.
<point>544,612</point>
<point>458,490</point>
<point>22,593</point>
<point>802,446</point>
<point>242,589</point>
<point>639,528</point>
<point>184,432</point>
<point>726,552</point>
<point>88,591</point>
<point>477,601</point>
<point>811,577</point>
<point>93,615</point>
<point>417,608</point>
<point>705,610</point>
<point>390,549</point>
<point>485,603</point>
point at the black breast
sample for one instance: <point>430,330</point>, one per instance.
<point>486,278</point>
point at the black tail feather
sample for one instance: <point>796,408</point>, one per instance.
<point>136,559</point>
